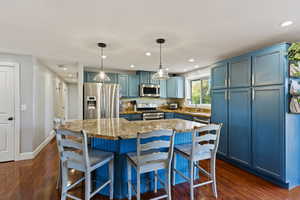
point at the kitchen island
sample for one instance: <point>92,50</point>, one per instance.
<point>119,135</point>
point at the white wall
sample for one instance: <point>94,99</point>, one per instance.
<point>73,105</point>
<point>48,102</point>
<point>26,98</point>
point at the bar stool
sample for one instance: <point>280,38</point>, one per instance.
<point>83,159</point>
<point>154,152</point>
<point>203,147</point>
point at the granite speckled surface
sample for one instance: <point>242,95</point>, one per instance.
<point>119,128</point>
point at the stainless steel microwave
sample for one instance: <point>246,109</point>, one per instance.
<point>149,90</point>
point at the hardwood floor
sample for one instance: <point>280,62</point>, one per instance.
<point>36,180</point>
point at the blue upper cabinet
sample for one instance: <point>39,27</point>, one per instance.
<point>239,72</point>
<point>219,76</point>
<point>163,88</point>
<point>133,85</point>
<point>89,77</point>
<point>268,130</point>
<point>219,115</point>
<point>144,77</point>
<point>268,66</point>
<point>239,125</point>
<point>151,80</point>
<point>123,81</point>
<point>175,87</point>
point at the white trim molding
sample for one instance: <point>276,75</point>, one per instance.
<point>32,155</point>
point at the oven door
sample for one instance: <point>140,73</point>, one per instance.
<point>149,90</point>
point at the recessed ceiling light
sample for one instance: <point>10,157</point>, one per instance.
<point>196,66</point>
<point>286,23</point>
<point>191,60</point>
<point>64,68</point>
<point>167,69</point>
<point>132,66</point>
<point>104,56</point>
<point>184,70</point>
<point>148,53</point>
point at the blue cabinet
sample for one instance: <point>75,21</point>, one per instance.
<point>123,81</point>
<point>183,116</point>
<point>175,87</point>
<point>146,77</point>
<point>268,130</point>
<point>169,115</point>
<point>89,77</point>
<point>219,74</point>
<point>268,66</point>
<point>132,117</point>
<point>239,125</point>
<point>219,114</point>
<point>133,85</point>
<point>239,72</point>
<point>163,88</point>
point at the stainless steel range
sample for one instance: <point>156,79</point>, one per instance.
<point>150,111</point>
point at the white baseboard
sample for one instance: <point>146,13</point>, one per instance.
<point>31,155</point>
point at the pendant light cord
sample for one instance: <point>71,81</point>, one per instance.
<point>160,65</point>
<point>102,58</point>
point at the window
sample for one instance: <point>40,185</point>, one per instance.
<point>200,91</point>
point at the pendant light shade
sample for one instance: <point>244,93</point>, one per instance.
<point>161,74</point>
<point>101,76</point>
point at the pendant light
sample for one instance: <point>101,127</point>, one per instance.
<point>161,74</point>
<point>101,76</point>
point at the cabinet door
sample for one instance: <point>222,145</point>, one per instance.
<point>219,114</point>
<point>268,130</point>
<point>163,88</point>
<point>171,88</point>
<point>219,76</point>
<point>180,91</point>
<point>239,72</point>
<point>133,86</point>
<point>123,81</point>
<point>239,125</point>
<point>144,77</point>
<point>268,67</point>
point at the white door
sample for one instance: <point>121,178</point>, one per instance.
<point>7,113</point>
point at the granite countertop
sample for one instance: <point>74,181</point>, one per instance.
<point>194,114</point>
<point>119,128</point>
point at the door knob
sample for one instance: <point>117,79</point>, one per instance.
<point>10,118</point>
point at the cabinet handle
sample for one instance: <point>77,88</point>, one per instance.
<point>228,95</point>
<point>225,95</point>
<point>252,79</point>
<point>253,94</point>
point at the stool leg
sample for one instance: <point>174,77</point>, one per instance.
<point>58,181</point>
<point>111,177</point>
<point>213,176</point>
<point>87,185</point>
<point>138,182</point>
<point>129,179</point>
<point>155,181</point>
<point>64,176</point>
<point>173,170</point>
<point>168,183</point>
<point>191,180</point>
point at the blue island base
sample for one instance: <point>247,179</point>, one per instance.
<point>121,147</point>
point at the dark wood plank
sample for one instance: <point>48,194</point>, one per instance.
<point>36,180</point>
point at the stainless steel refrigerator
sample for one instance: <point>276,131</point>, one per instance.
<point>101,100</point>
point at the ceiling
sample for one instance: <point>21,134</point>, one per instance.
<point>67,31</point>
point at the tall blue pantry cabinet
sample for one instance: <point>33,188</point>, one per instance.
<point>250,97</point>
